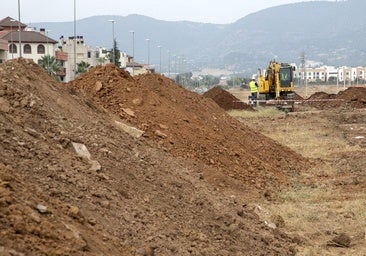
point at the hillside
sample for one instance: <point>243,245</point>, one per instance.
<point>330,32</point>
<point>74,182</point>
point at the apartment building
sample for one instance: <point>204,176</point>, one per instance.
<point>330,73</point>
<point>77,51</point>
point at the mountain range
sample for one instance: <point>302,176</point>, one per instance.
<point>332,33</point>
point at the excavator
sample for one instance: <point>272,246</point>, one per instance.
<point>276,87</point>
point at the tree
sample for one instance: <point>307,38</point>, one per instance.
<point>115,54</point>
<point>50,64</point>
<point>82,67</point>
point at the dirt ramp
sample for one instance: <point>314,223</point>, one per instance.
<point>226,100</point>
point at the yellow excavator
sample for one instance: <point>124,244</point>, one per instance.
<point>276,86</point>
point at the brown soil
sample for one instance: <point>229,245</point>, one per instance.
<point>188,125</point>
<point>226,100</point>
<point>352,97</point>
<point>183,188</point>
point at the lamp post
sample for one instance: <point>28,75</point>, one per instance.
<point>48,52</point>
<point>159,58</point>
<point>168,63</point>
<point>11,38</point>
<point>133,52</point>
<point>148,52</point>
<point>75,71</point>
<point>113,48</point>
<point>19,28</point>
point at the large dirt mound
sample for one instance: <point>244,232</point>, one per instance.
<point>226,100</point>
<point>352,97</point>
<point>123,197</point>
<point>191,126</point>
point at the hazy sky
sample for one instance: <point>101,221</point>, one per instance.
<point>211,11</point>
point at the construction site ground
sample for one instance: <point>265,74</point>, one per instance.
<point>325,206</point>
<point>111,164</point>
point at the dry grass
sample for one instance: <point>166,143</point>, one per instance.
<point>316,208</point>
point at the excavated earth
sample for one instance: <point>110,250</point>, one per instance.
<point>115,165</point>
<point>226,100</point>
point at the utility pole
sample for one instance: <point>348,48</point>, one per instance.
<point>303,64</point>
<point>133,52</point>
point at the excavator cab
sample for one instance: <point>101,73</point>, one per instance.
<point>285,76</point>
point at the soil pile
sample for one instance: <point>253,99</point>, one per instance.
<point>188,125</point>
<point>226,100</point>
<point>352,97</point>
<point>72,182</point>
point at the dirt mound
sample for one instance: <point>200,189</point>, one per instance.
<point>321,95</point>
<point>297,96</point>
<point>352,97</point>
<point>126,195</point>
<point>226,100</point>
<point>191,126</point>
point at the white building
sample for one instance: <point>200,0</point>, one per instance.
<point>330,73</point>
<point>26,43</point>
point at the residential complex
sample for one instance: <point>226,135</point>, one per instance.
<point>28,43</point>
<point>346,75</point>
<point>31,44</point>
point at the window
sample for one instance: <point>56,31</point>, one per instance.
<point>27,49</point>
<point>40,49</point>
<point>13,48</point>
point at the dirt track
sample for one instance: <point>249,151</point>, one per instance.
<point>190,185</point>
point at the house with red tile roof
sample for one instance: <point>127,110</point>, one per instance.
<point>26,43</point>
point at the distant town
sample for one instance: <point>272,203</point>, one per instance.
<point>18,40</point>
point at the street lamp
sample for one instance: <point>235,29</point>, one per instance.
<point>19,28</point>
<point>75,71</point>
<point>113,48</point>
<point>148,52</point>
<point>48,53</point>
<point>47,41</point>
<point>11,38</point>
<point>168,63</point>
<point>133,52</point>
<point>159,58</point>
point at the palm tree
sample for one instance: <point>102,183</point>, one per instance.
<point>50,64</point>
<point>82,67</point>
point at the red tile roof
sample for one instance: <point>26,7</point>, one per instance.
<point>26,37</point>
<point>6,23</point>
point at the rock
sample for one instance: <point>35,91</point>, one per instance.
<point>146,251</point>
<point>129,112</point>
<point>163,126</point>
<point>4,105</point>
<point>81,150</point>
<point>137,101</point>
<point>74,211</point>
<point>98,86</point>
<point>42,209</point>
<point>92,221</point>
<point>134,132</point>
<point>95,166</point>
<point>160,134</point>
<point>341,240</point>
